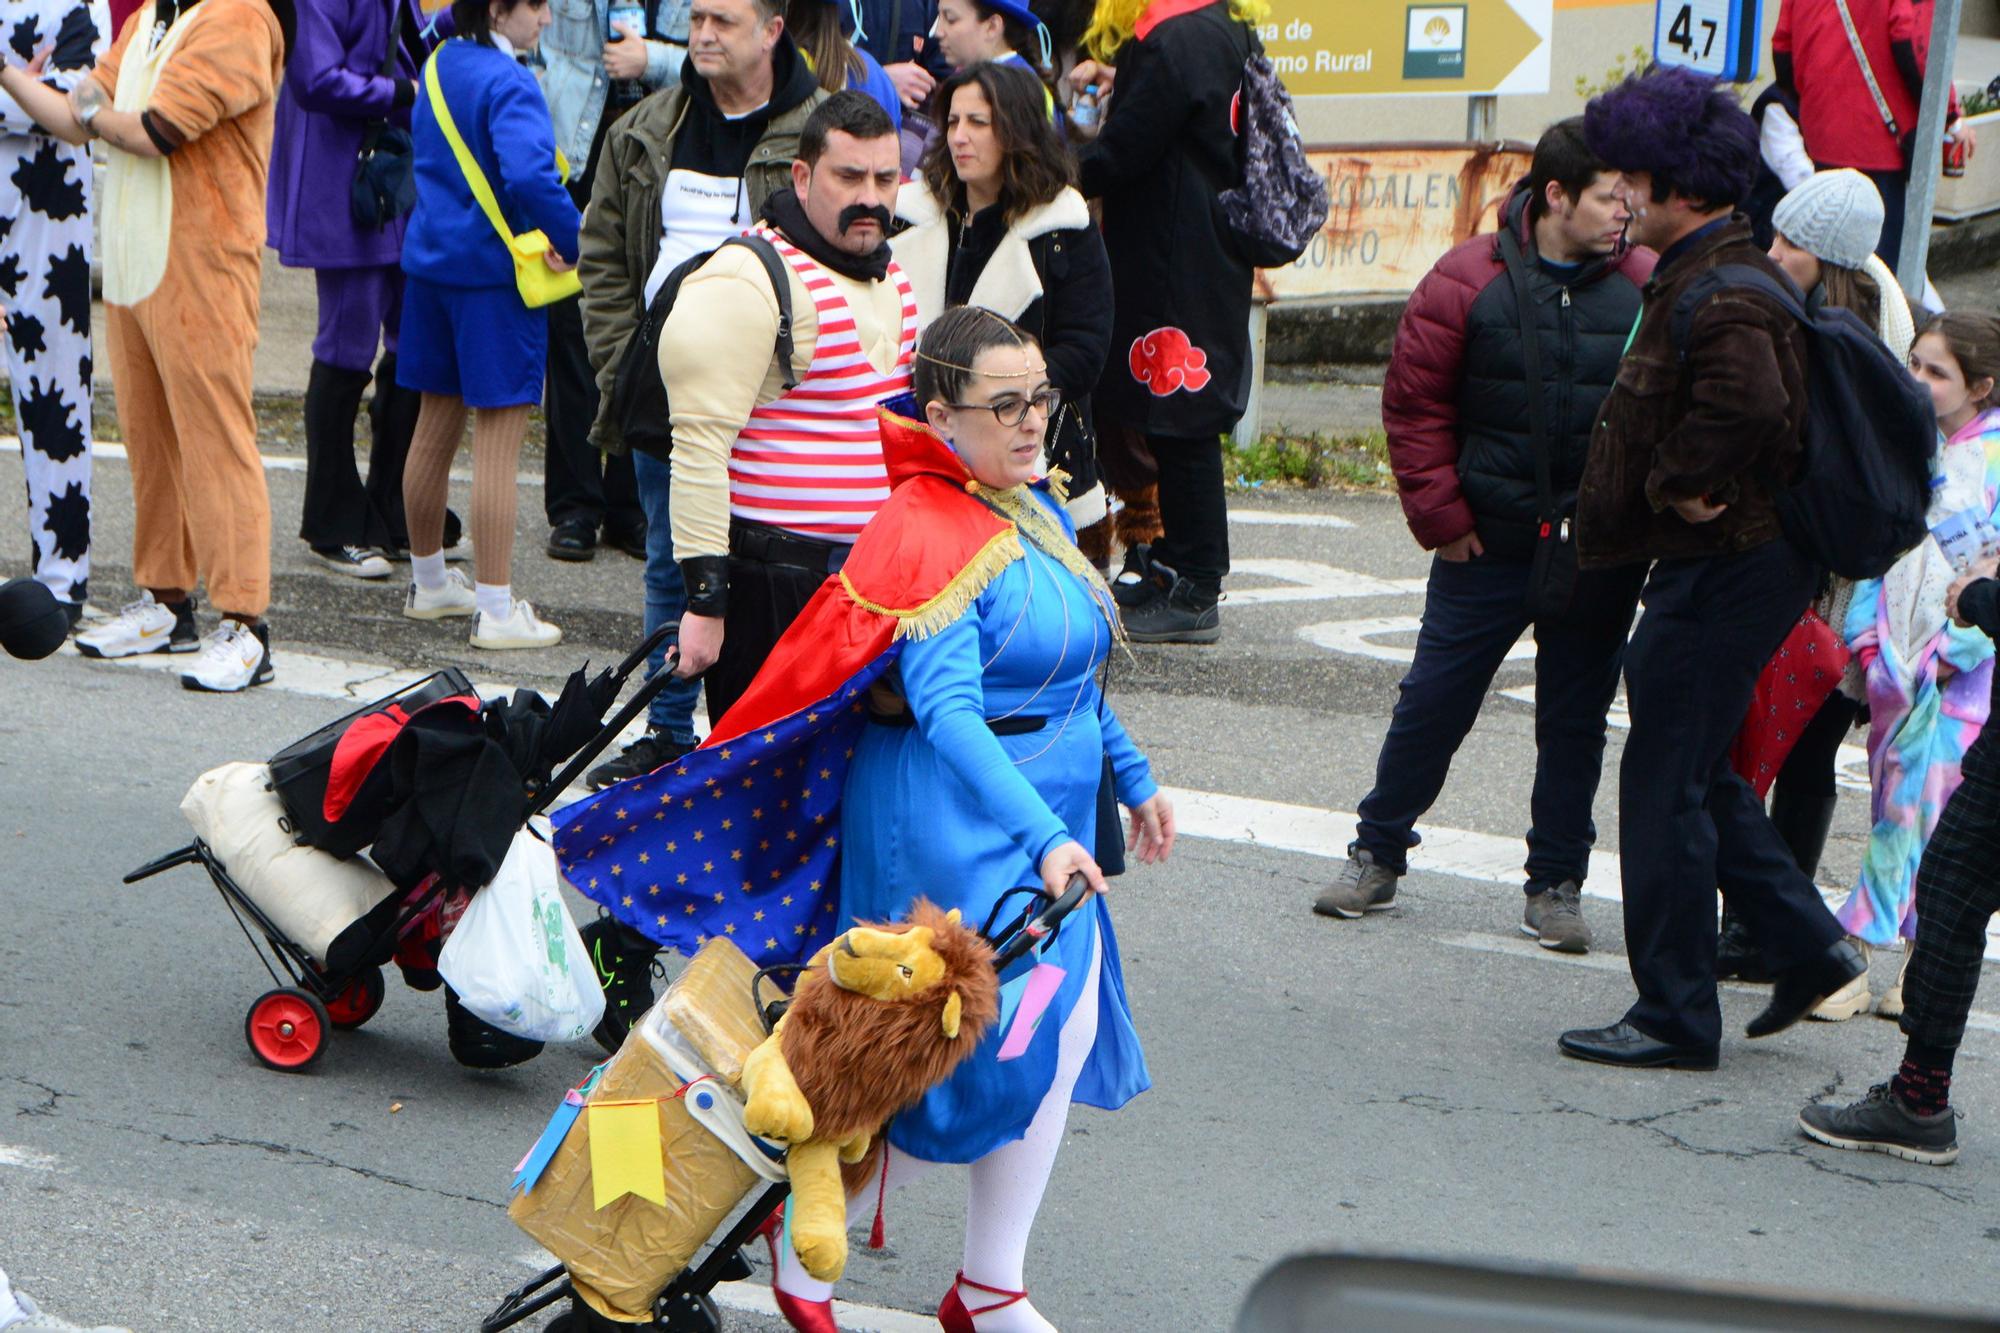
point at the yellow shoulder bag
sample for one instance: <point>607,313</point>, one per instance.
<point>539,284</point>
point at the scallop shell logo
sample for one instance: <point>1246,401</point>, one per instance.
<point>1438,30</point>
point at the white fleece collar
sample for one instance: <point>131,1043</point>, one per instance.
<point>1008,284</point>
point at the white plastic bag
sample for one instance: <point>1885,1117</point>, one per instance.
<point>515,957</point>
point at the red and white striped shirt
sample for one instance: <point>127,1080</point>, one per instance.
<point>810,461</point>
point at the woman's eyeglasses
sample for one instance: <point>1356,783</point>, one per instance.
<point>1010,411</point>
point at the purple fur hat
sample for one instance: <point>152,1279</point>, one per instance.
<point>1687,130</point>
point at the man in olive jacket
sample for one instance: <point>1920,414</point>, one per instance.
<point>684,170</point>
<point>1688,447</point>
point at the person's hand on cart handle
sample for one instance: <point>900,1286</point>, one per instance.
<point>1151,837</point>
<point>701,644</point>
<point>1066,859</point>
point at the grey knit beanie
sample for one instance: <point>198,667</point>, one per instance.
<point>1835,216</point>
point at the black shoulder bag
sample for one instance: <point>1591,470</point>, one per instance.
<point>385,172</point>
<point>1552,576</point>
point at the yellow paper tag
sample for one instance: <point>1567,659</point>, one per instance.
<point>625,1152</point>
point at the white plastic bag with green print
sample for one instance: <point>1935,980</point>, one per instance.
<point>515,957</point>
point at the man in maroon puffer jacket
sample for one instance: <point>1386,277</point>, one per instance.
<point>1463,442</point>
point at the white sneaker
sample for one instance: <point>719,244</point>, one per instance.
<point>1849,1000</point>
<point>455,598</point>
<point>521,629</point>
<point>139,627</point>
<point>233,657</point>
<point>41,1321</point>
<point>358,562</point>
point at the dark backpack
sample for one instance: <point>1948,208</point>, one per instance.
<point>1282,202</point>
<point>638,396</point>
<point>1861,495</point>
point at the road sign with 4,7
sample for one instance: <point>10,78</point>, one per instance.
<point>1714,37</point>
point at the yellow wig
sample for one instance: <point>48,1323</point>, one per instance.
<point>1114,22</point>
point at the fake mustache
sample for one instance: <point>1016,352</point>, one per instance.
<point>854,213</point>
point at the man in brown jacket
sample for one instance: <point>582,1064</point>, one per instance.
<point>1696,433</point>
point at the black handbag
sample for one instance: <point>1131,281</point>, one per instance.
<point>1552,574</point>
<point>1110,848</point>
<point>385,169</point>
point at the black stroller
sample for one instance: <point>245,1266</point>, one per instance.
<point>436,782</point>
<point>687,1305</point>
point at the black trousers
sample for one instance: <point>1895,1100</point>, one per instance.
<point>765,597</point>
<point>1194,514</point>
<point>1686,821</point>
<point>339,508</point>
<point>1957,894</point>
<point>580,484</point>
<point>1474,611</point>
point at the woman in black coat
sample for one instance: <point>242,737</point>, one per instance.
<point>995,222</point>
<point>1180,347</point>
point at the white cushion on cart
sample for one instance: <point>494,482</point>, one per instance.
<point>310,895</point>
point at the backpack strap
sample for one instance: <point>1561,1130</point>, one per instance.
<point>781,286</point>
<point>1719,279</point>
<point>475,178</point>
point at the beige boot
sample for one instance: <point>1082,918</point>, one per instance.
<point>1849,1000</point>
<point>1890,1006</point>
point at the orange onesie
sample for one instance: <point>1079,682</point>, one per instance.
<point>182,238</point>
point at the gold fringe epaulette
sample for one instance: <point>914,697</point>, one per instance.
<point>938,612</point>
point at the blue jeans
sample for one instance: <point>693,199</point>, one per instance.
<point>1474,610</point>
<point>672,710</point>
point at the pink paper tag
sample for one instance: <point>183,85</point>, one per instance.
<point>1043,983</point>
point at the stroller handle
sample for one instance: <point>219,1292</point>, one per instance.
<point>1040,926</point>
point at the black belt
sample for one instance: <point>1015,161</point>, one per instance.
<point>999,726</point>
<point>774,546</point>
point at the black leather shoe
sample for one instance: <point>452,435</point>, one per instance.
<point>1623,1044</point>
<point>632,541</point>
<point>1796,990</point>
<point>572,541</point>
<point>1737,956</point>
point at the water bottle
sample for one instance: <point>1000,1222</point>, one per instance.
<point>1083,113</point>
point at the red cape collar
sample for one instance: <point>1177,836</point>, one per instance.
<point>1159,13</point>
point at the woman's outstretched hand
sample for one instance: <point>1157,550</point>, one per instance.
<point>1152,834</point>
<point>1066,859</point>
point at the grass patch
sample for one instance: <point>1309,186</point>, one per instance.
<point>1311,462</point>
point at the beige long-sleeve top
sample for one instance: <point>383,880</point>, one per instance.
<point>718,361</point>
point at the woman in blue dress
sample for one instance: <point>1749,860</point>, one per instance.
<point>979,773</point>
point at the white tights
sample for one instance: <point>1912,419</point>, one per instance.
<point>1005,1190</point>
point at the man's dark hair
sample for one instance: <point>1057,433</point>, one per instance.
<point>1688,131</point>
<point>472,18</point>
<point>851,112</point>
<point>1562,157</point>
<point>1035,164</point>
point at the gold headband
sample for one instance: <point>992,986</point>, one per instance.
<point>1012,332</point>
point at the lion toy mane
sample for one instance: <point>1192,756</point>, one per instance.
<point>881,1016</point>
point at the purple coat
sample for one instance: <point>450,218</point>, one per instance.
<point>333,87</point>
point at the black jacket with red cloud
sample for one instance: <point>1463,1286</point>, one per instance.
<point>1455,403</point>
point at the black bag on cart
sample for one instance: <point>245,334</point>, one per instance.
<point>333,784</point>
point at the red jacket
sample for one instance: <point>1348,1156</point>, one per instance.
<point>1837,113</point>
<point>1454,401</point>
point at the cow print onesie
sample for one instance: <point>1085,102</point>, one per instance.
<point>45,244</point>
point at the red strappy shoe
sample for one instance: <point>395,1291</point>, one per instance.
<point>956,1318</point>
<point>803,1315</point>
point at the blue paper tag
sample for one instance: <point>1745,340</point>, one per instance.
<point>538,1158</point>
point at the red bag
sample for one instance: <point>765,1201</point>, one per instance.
<point>1796,681</point>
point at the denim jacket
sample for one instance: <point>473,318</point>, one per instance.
<point>570,61</point>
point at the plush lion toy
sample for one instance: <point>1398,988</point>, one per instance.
<point>880,1017</point>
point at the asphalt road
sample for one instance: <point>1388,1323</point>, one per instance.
<point>1391,1084</point>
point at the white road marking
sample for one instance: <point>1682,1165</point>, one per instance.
<point>1357,638</point>
<point>27,1159</point>
<point>1278,518</point>
<point>1312,581</point>
<point>111,450</point>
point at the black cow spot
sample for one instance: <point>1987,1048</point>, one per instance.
<point>25,331</point>
<point>46,424</point>
<point>11,275</point>
<point>27,35</point>
<point>47,183</point>
<point>68,285</point>
<point>69,523</point>
<point>83,369</point>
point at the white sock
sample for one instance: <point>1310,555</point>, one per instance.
<point>10,1309</point>
<point>428,570</point>
<point>496,600</point>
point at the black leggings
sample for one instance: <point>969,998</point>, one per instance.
<point>1809,768</point>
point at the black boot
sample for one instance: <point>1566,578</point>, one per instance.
<point>1737,956</point>
<point>336,506</point>
<point>1803,822</point>
<point>477,1044</point>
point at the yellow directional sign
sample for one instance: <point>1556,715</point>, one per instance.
<point>1336,48</point>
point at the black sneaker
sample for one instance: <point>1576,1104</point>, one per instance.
<point>1883,1122</point>
<point>1179,614</point>
<point>477,1044</point>
<point>1134,584</point>
<point>642,756</point>
<point>626,964</point>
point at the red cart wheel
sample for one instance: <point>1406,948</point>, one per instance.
<point>287,1029</point>
<point>358,1000</point>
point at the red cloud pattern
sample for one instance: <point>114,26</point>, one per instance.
<point>1167,361</point>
